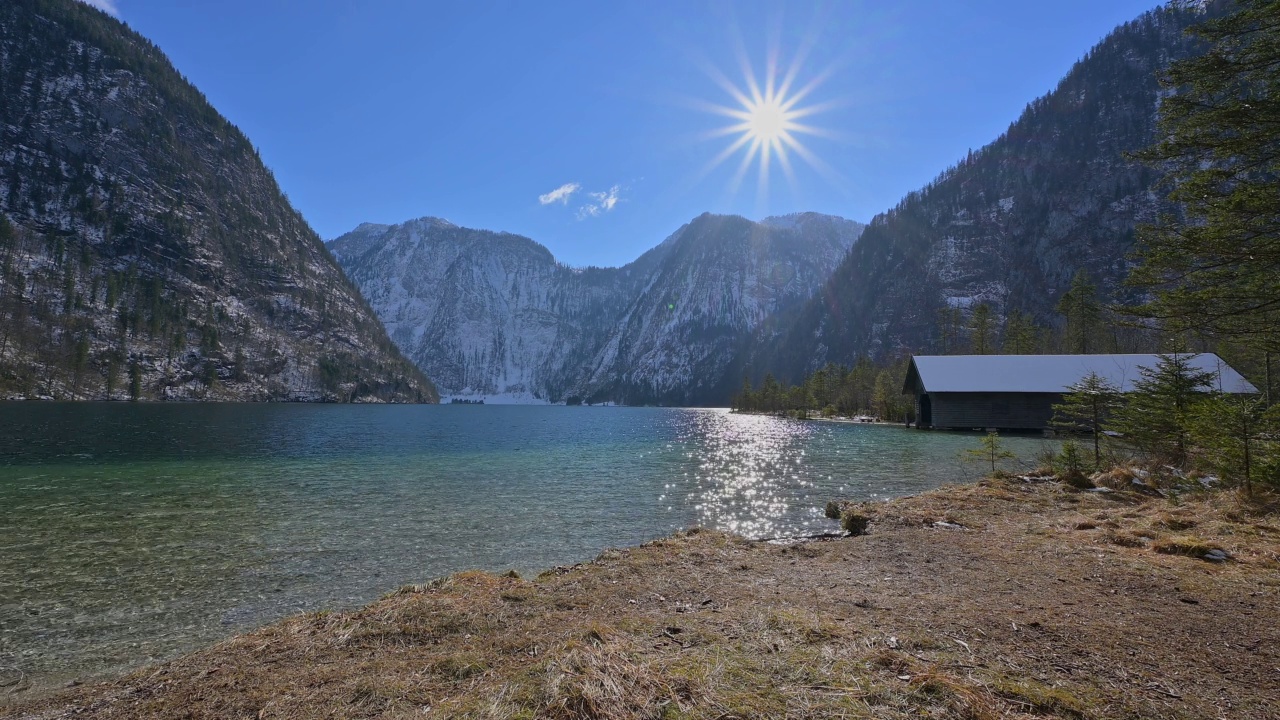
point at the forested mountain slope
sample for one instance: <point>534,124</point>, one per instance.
<point>1009,225</point>
<point>146,251</point>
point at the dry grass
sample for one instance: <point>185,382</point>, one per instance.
<point>1184,545</point>
<point>1048,602</point>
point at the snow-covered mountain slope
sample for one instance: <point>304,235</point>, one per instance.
<point>493,314</point>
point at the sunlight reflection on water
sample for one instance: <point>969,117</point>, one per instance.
<point>129,533</point>
<point>765,476</point>
<point>748,474</point>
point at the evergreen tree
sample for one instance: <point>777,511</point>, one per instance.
<point>1155,417</point>
<point>989,450</point>
<point>1080,306</point>
<point>135,380</point>
<point>742,401</point>
<point>1085,408</point>
<point>980,325</point>
<point>112,375</point>
<point>772,394</point>
<point>1019,335</point>
<point>1069,466</point>
<point>949,320</point>
<point>1232,432</point>
<point>886,398</point>
<point>1216,266</point>
<point>79,360</point>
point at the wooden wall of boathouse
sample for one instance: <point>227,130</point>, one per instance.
<point>1000,411</point>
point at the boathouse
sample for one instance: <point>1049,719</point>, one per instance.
<point>1018,392</point>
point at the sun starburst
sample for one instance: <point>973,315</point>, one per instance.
<point>767,122</point>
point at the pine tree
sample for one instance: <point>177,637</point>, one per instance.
<point>989,450</point>
<point>949,330</point>
<point>772,393</point>
<point>1080,306</point>
<point>1232,432</point>
<point>980,329</point>
<point>742,402</point>
<point>1069,466</point>
<point>883,395</point>
<point>79,360</point>
<point>135,380</point>
<point>1215,265</point>
<point>112,375</point>
<point>1155,417</point>
<point>1086,408</point>
<point>1019,335</point>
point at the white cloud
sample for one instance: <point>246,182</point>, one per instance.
<point>560,194</point>
<point>601,202</point>
<point>107,6</point>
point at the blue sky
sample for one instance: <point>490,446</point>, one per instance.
<point>386,110</point>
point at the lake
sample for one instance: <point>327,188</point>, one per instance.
<point>133,532</point>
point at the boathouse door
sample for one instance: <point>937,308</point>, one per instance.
<point>926,412</point>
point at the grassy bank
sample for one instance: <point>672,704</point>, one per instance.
<point>1046,602</point>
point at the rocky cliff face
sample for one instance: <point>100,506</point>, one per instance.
<point>1010,224</point>
<point>494,314</point>
<point>682,335</point>
<point>146,251</point>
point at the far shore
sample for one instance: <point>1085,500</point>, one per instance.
<point>853,421</point>
<point>834,419</point>
<point>1008,598</point>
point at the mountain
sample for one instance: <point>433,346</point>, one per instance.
<point>484,313</point>
<point>146,250</point>
<point>494,314</point>
<point>1010,224</point>
<point>717,279</point>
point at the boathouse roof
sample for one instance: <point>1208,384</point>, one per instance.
<point>1049,373</point>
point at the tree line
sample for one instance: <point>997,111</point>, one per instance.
<point>1210,269</point>
<point>874,388</point>
<point>1176,416</point>
<point>865,388</point>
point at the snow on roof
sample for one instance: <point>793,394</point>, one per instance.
<point>1053,373</point>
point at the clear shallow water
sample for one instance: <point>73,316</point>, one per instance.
<point>130,533</point>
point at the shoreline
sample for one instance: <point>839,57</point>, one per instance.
<point>851,421</point>
<point>837,419</point>
<point>998,599</point>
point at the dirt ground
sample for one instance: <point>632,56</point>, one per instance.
<point>1045,601</point>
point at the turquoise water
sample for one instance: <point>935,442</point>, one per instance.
<point>131,533</point>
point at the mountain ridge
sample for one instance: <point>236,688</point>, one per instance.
<point>147,252</point>
<point>1010,224</point>
<point>591,333</point>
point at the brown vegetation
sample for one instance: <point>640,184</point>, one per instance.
<point>1044,602</point>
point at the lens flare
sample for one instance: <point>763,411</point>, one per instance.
<point>767,122</point>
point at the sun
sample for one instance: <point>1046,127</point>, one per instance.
<point>767,125</point>
<point>768,121</point>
